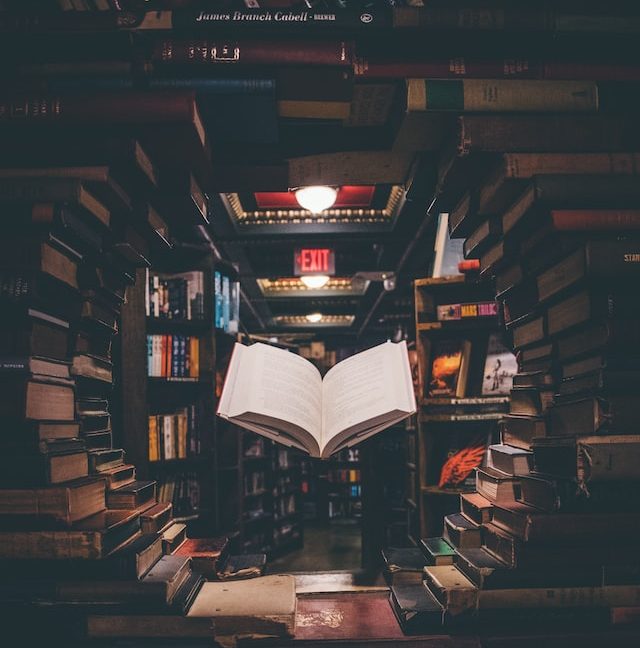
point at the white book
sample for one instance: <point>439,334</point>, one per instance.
<point>282,396</point>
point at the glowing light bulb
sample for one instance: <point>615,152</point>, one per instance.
<point>316,198</point>
<point>314,317</point>
<point>314,281</point>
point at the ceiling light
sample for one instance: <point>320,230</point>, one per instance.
<point>314,317</point>
<point>315,281</point>
<point>316,199</point>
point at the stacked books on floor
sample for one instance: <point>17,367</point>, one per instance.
<point>81,536</point>
<point>77,527</point>
<point>549,535</point>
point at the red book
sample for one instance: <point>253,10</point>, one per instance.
<point>574,220</point>
<point>470,265</point>
<point>254,52</point>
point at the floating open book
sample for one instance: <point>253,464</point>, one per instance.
<point>283,396</point>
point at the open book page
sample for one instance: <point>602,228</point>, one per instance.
<point>365,393</point>
<point>267,387</point>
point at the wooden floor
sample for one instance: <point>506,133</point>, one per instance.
<point>326,548</point>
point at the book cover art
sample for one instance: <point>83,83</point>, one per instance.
<point>446,369</point>
<point>499,368</point>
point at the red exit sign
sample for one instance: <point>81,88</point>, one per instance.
<point>314,261</point>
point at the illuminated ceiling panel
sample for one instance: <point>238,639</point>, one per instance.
<point>355,205</point>
<point>301,321</point>
<point>348,197</point>
<point>293,287</point>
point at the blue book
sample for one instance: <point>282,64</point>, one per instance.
<point>217,293</point>
<point>226,303</point>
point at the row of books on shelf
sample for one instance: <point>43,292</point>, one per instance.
<point>284,506</point>
<point>353,490</point>
<point>226,303</point>
<point>284,483</point>
<point>175,435</point>
<point>182,491</point>
<point>341,508</point>
<point>173,356</point>
<point>343,476</point>
<point>283,459</point>
<point>254,482</point>
<point>350,455</point>
<point>176,296</point>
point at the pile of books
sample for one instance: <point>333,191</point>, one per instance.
<point>82,537</point>
<point>533,544</point>
<point>76,522</point>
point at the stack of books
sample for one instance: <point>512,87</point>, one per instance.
<point>75,521</point>
<point>533,543</point>
<point>80,533</point>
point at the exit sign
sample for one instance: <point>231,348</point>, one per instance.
<point>308,261</point>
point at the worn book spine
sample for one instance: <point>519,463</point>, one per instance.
<point>292,20</point>
<point>472,19</point>
<point>546,133</point>
<point>98,107</point>
<point>254,52</point>
<point>560,597</point>
<point>453,68</point>
<point>576,220</point>
<point>526,165</point>
<point>489,95</point>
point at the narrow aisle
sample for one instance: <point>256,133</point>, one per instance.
<point>326,548</point>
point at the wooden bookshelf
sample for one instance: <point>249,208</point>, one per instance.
<point>189,480</point>
<point>448,424</point>
<point>259,492</point>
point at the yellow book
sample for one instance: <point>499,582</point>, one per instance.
<point>154,454</point>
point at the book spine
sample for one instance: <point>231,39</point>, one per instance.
<point>486,95</point>
<point>475,19</point>
<point>102,107</point>
<point>215,86</point>
<point>526,165</point>
<point>453,68</point>
<point>175,356</point>
<point>74,21</point>
<point>579,71</point>
<point>290,20</point>
<point>576,220</point>
<point>149,355</point>
<point>548,133</point>
<point>230,52</point>
<point>183,356</point>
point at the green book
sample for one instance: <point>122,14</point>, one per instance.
<point>438,551</point>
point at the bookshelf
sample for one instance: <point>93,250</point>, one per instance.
<point>259,492</point>
<point>345,485</point>
<point>459,400</point>
<point>169,428</point>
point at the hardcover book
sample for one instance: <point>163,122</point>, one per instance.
<point>416,609</point>
<point>282,396</point>
<point>449,368</point>
<point>403,565</point>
